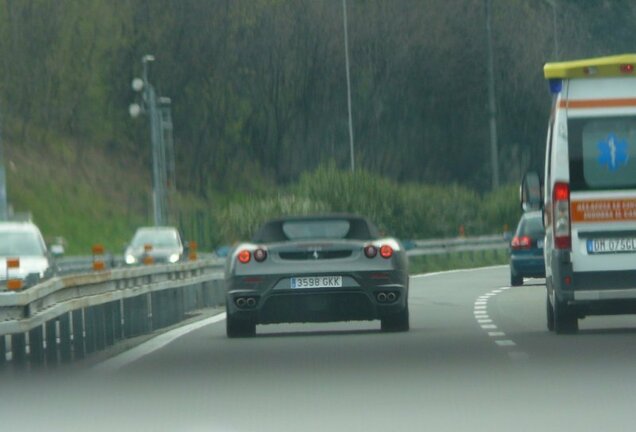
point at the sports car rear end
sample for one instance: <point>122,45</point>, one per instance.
<point>320,275</point>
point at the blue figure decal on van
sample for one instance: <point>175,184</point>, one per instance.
<point>613,152</point>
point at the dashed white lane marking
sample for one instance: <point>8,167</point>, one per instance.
<point>154,344</point>
<point>505,342</point>
<point>486,323</point>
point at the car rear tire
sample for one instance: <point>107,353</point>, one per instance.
<point>398,322</point>
<point>515,280</point>
<point>565,319</point>
<point>239,328</point>
<point>549,313</point>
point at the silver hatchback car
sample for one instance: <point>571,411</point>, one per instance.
<point>162,244</point>
<point>22,243</point>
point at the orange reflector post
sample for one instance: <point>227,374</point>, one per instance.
<point>192,255</point>
<point>98,249</point>
<point>14,284</point>
<point>99,265</point>
<point>13,263</point>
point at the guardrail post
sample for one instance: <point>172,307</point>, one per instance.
<point>89,330</point>
<point>100,326</point>
<point>79,347</point>
<point>109,323</point>
<point>128,317</point>
<point>52,347</point>
<point>18,349</point>
<point>150,313</point>
<point>119,320</point>
<point>3,352</point>
<point>65,338</point>
<point>174,305</point>
<point>180,304</point>
<point>156,310</point>
<point>144,312</point>
<point>36,346</point>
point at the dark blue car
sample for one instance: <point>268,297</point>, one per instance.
<point>526,249</point>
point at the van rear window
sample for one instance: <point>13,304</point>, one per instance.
<point>602,153</point>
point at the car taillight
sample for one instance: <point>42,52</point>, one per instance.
<point>260,255</point>
<point>370,251</point>
<point>561,216</point>
<point>244,256</point>
<point>523,242</point>
<point>386,251</point>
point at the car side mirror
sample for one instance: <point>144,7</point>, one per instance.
<point>530,193</point>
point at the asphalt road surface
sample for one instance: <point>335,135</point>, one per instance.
<point>478,358</point>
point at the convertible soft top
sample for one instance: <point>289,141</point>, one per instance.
<point>359,228</point>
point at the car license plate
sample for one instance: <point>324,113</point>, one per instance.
<point>611,245</point>
<point>316,282</point>
<point>540,244</point>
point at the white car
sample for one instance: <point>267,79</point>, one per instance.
<point>162,244</point>
<point>23,241</point>
<point>589,201</point>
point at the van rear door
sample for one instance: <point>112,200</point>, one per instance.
<point>601,130</point>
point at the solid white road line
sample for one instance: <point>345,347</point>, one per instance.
<point>158,342</point>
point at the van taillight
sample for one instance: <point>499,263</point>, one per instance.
<point>561,216</point>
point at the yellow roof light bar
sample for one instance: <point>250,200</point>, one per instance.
<point>618,65</point>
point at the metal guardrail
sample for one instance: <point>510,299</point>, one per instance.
<point>459,244</point>
<point>78,264</point>
<point>68,317</point>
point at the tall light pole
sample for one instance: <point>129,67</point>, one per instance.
<point>150,106</point>
<point>553,5</point>
<point>4,206</point>
<point>492,107</point>
<point>346,43</point>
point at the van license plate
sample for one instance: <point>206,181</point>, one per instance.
<point>316,282</point>
<point>611,245</point>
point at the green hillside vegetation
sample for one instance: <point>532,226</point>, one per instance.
<point>96,200</point>
<point>260,113</point>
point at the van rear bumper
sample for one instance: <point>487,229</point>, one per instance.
<point>614,294</point>
<point>592,286</point>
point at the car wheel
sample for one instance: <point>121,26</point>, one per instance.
<point>565,319</point>
<point>549,313</point>
<point>239,328</point>
<point>398,322</point>
<point>515,280</point>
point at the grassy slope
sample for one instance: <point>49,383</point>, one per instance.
<point>78,194</point>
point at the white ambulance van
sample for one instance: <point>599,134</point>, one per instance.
<point>589,190</point>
